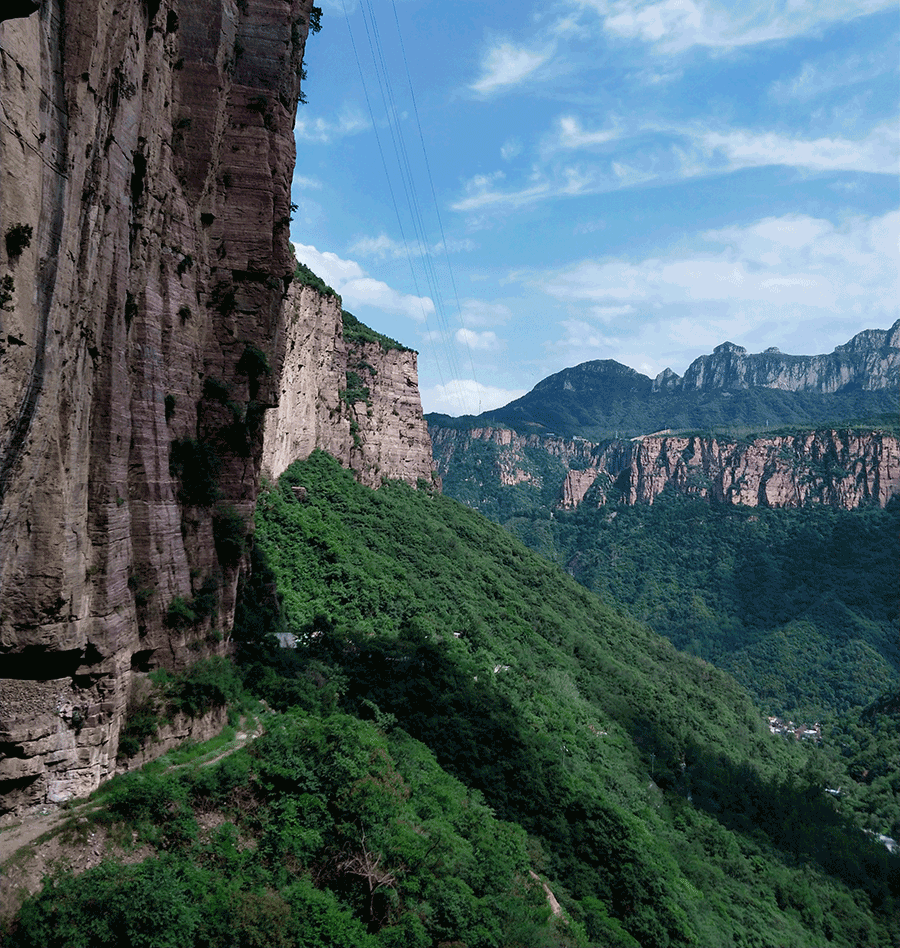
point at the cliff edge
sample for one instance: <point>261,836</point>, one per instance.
<point>347,390</point>
<point>146,154</point>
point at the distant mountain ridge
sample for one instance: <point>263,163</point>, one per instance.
<point>869,361</point>
<point>728,389</point>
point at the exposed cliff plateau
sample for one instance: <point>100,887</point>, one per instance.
<point>840,468</point>
<point>146,154</point>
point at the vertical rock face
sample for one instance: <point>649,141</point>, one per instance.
<point>310,411</point>
<point>389,437</point>
<point>837,468</point>
<point>358,400</point>
<point>146,153</point>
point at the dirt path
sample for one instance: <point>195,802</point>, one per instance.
<point>30,826</point>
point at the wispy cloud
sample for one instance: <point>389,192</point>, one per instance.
<point>486,341</point>
<point>668,154</point>
<point>834,73</point>
<point>466,397</point>
<point>793,264</point>
<point>357,288</point>
<point>675,25</point>
<point>570,133</point>
<point>305,184</point>
<point>324,130</point>
<point>506,65</point>
<point>510,149</point>
<point>480,313</point>
<point>877,152</point>
<point>383,247</point>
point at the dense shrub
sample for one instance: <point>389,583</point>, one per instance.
<point>196,467</point>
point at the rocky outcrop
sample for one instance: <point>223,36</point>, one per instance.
<point>146,154</point>
<point>356,399</point>
<point>846,468</point>
<point>311,413</point>
<point>389,437</point>
<point>869,361</point>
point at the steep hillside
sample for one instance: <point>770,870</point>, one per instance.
<point>471,749</point>
<point>728,391</point>
<point>647,780</point>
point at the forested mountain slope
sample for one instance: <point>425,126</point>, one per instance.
<point>446,679</point>
<point>648,778</point>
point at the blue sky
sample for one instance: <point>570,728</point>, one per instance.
<point>512,189</point>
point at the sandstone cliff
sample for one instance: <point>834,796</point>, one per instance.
<point>146,154</point>
<point>356,398</point>
<point>846,468</point>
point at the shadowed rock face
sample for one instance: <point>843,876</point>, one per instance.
<point>148,146</point>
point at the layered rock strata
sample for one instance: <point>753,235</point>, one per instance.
<point>357,400</point>
<point>146,155</point>
<point>846,468</point>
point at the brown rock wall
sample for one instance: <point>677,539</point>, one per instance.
<point>150,149</point>
<point>381,437</point>
<point>846,468</point>
<point>389,436</point>
<point>310,411</point>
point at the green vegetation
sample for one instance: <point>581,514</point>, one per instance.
<point>212,683</point>
<point>7,293</point>
<point>18,237</point>
<point>229,535</point>
<point>457,715</point>
<point>800,605</point>
<point>356,390</point>
<point>646,778</point>
<point>356,333</point>
<point>195,465</point>
<point>305,277</point>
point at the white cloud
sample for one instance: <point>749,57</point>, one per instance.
<point>511,149</point>
<point>793,266</point>
<point>609,313</point>
<point>306,184</point>
<point>571,134</point>
<point>877,152</point>
<point>322,130</point>
<point>466,397</point>
<point>357,288</point>
<point>676,25</point>
<point>383,247</point>
<point>479,313</point>
<point>835,72</point>
<point>486,341</point>
<point>666,154</point>
<point>506,65</point>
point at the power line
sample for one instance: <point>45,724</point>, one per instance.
<point>408,183</point>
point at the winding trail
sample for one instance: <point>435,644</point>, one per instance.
<point>43,821</point>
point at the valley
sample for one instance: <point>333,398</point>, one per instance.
<point>286,663</point>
